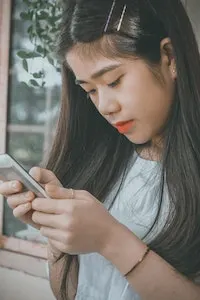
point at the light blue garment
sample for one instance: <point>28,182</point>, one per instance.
<point>136,207</point>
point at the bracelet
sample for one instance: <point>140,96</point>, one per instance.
<point>142,258</point>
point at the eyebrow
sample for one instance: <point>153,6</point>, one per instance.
<point>100,73</point>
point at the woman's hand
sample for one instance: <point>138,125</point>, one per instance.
<point>21,202</point>
<point>74,226</point>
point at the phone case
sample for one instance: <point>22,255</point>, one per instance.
<point>10,169</point>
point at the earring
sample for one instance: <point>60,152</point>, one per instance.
<point>173,71</point>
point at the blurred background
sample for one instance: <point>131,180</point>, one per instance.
<point>32,110</point>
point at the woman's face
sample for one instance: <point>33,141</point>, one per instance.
<point>125,90</point>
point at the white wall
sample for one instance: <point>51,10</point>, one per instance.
<point>193,8</point>
<point>15,285</point>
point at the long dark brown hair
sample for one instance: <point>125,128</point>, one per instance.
<point>89,154</point>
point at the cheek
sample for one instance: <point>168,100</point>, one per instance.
<point>151,111</point>
<point>155,101</point>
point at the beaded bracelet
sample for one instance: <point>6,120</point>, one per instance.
<point>142,258</point>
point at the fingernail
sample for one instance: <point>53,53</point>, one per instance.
<point>14,184</point>
<point>35,173</point>
<point>28,195</point>
<point>27,205</point>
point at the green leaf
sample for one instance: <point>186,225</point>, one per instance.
<point>50,60</point>
<point>25,16</point>
<point>23,54</point>
<point>33,82</point>
<point>31,14</point>
<point>46,37</point>
<point>34,54</point>
<point>43,15</point>
<point>51,21</point>
<point>39,31</point>
<point>57,18</point>
<point>45,52</point>
<point>27,55</point>
<point>30,29</point>
<point>25,84</point>
<point>53,10</point>
<point>25,65</point>
<point>53,30</point>
<point>37,75</point>
<point>40,49</point>
<point>26,1</point>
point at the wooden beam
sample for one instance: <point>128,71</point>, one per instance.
<point>5,19</point>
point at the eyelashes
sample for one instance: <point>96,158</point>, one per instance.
<point>111,85</point>
<point>115,83</point>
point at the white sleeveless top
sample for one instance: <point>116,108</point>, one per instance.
<point>136,207</point>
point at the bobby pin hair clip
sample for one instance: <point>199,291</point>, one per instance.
<point>122,17</point>
<point>110,15</point>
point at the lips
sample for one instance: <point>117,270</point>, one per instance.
<point>124,127</point>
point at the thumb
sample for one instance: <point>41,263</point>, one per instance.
<point>44,176</point>
<point>35,173</point>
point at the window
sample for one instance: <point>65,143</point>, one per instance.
<point>27,116</point>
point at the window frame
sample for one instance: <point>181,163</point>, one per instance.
<point>15,253</point>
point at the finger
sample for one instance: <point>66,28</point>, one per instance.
<point>52,206</point>
<point>57,192</point>
<point>21,210</point>
<point>49,220</point>
<point>55,234</point>
<point>10,187</point>
<point>21,198</point>
<point>44,176</point>
<point>57,245</point>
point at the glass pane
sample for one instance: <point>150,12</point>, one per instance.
<point>27,107</point>
<point>26,148</point>
<point>32,112</point>
<point>28,104</point>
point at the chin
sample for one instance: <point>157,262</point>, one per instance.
<point>138,140</point>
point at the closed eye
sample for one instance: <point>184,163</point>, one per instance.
<point>116,82</point>
<point>112,85</point>
<point>92,92</point>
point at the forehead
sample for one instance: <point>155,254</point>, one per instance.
<point>83,64</point>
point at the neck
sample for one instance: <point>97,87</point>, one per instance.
<point>150,152</point>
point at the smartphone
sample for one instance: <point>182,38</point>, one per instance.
<point>10,169</point>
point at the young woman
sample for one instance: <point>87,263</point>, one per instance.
<point>128,143</point>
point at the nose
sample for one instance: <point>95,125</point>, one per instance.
<point>108,103</point>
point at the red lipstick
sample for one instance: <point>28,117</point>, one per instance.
<point>124,127</point>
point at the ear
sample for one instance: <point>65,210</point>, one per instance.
<point>167,57</point>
